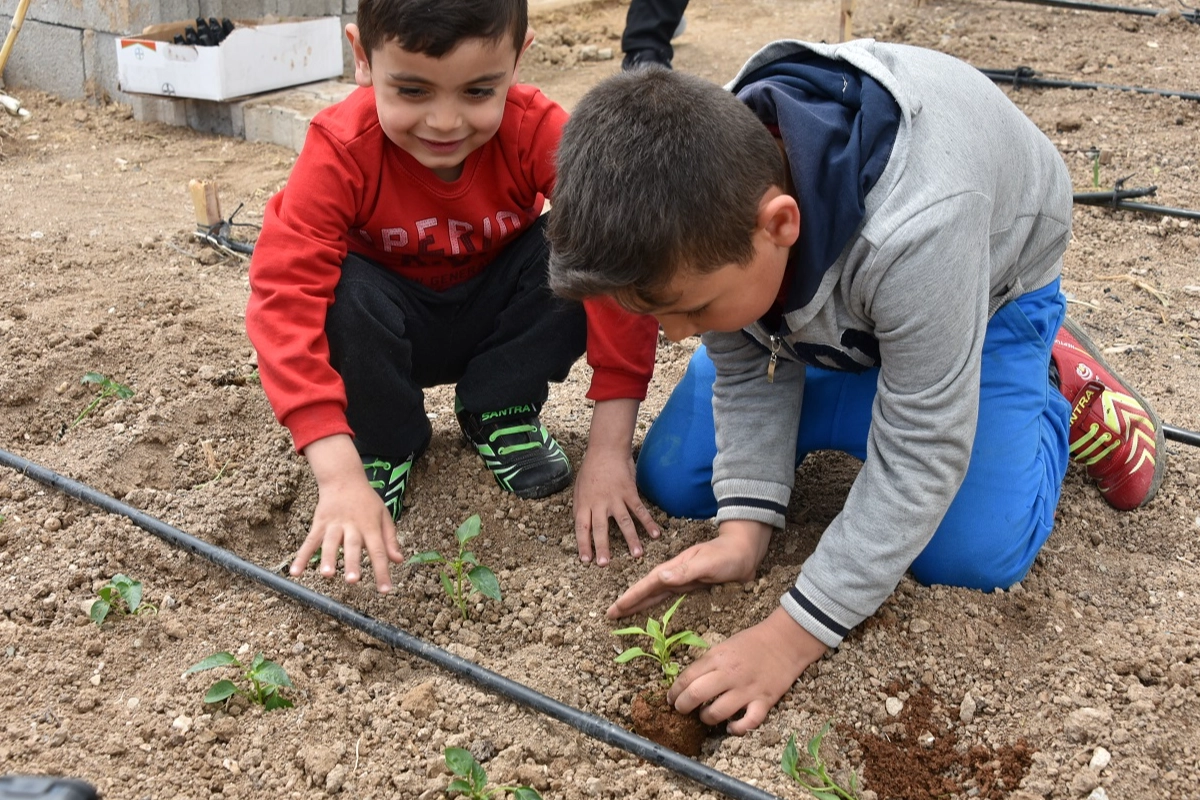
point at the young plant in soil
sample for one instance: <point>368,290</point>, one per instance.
<point>471,780</point>
<point>663,646</point>
<point>121,594</point>
<point>653,716</point>
<point>262,678</point>
<point>108,388</point>
<point>816,779</point>
<point>462,575</point>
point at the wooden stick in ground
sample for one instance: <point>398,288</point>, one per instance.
<point>13,29</point>
<point>845,28</point>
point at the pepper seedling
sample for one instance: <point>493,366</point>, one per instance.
<point>121,594</point>
<point>108,388</point>
<point>822,785</point>
<point>463,575</point>
<point>663,645</point>
<point>471,780</point>
<point>263,677</point>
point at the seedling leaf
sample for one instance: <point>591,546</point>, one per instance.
<point>468,530</point>
<point>790,757</point>
<point>130,591</point>
<point>275,700</point>
<point>459,785</point>
<point>447,586</point>
<point>99,610</point>
<point>630,632</point>
<point>221,690</point>
<point>478,777</point>
<point>654,629</point>
<point>631,654</point>
<point>459,761</point>
<point>526,793</point>
<point>92,377</point>
<point>222,659</point>
<point>428,557</point>
<point>271,673</point>
<point>484,581</point>
<point>666,619</point>
<point>686,638</point>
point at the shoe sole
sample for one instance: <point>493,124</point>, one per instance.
<point>1160,439</point>
<point>544,490</point>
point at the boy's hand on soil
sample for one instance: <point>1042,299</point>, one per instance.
<point>733,556</point>
<point>751,670</point>
<point>350,515</point>
<point>604,489</point>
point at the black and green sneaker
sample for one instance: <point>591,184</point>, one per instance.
<point>389,481</point>
<point>522,455</point>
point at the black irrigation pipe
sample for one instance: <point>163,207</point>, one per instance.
<point>1190,14</point>
<point>1119,197</point>
<point>1028,76</point>
<point>589,724</point>
<point>1181,435</point>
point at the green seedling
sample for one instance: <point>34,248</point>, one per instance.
<point>816,779</point>
<point>663,645</point>
<point>108,388</point>
<point>264,679</point>
<point>463,575</point>
<point>471,780</point>
<point>123,595</point>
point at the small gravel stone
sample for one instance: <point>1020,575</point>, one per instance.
<point>1100,759</point>
<point>1098,794</point>
<point>893,706</point>
<point>182,724</point>
<point>919,625</point>
<point>335,779</point>
<point>966,710</point>
<point>1087,724</point>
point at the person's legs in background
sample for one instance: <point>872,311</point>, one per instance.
<point>650,25</point>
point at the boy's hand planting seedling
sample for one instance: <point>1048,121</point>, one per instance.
<point>472,780</point>
<point>664,646</point>
<point>822,785</point>
<point>464,567</point>
<point>264,677</point>
<point>121,594</point>
<point>108,388</point>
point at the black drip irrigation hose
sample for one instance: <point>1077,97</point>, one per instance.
<point>1190,14</point>
<point>589,724</point>
<point>1027,76</point>
<point>1181,435</point>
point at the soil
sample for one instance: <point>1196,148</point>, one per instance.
<point>1085,673</point>
<point>655,719</point>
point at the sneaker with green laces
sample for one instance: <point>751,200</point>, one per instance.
<point>389,480</point>
<point>522,455</point>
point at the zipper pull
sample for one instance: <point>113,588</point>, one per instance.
<point>776,343</point>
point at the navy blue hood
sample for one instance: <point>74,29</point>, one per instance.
<point>838,126</point>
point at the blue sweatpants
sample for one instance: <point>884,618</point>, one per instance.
<point>1004,509</point>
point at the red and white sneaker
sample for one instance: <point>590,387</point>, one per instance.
<point>1114,432</point>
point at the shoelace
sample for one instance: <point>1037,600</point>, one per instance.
<point>514,430</point>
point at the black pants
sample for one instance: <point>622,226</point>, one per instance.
<point>649,25</point>
<point>500,336</point>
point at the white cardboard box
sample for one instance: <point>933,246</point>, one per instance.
<point>255,57</point>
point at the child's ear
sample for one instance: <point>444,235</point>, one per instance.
<point>524,47</point>
<point>779,217</point>
<point>362,64</point>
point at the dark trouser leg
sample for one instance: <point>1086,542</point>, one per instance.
<point>524,336</point>
<point>649,25</point>
<point>369,329</point>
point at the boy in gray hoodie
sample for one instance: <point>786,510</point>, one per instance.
<point>870,238</point>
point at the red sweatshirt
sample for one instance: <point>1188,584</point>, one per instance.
<point>353,190</point>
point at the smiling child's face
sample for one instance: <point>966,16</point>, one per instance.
<point>439,110</point>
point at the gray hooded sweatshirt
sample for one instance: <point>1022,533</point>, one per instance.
<point>968,207</point>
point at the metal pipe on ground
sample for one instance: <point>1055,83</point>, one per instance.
<point>589,724</point>
<point>1027,76</point>
<point>1190,14</point>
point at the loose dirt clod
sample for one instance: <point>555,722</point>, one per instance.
<point>657,721</point>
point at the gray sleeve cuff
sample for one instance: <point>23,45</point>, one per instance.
<point>760,501</point>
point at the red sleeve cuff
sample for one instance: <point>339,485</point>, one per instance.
<point>309,423</point>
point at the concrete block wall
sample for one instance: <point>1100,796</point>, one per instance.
<point>67,47</point>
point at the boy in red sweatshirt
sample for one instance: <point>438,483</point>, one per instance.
<point>407,251</point>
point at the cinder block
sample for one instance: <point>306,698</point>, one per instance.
<point>309,8</point>
<point>122,17</point>
<point>100,66</point>
<point>350,6</point>
<point>210,116</point>
<point>46,57</point>
<point>164,110</point>
<point>282,118</point>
